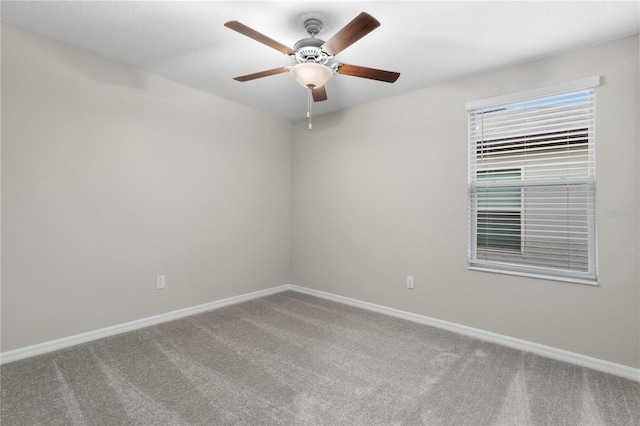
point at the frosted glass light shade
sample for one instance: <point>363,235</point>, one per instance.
<point>311,74</point>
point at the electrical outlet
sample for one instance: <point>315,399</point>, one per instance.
<point>410,281</point>
<point>159,282</point>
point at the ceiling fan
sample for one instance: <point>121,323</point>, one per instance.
<point>312,54</point>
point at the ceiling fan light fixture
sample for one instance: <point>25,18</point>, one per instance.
<point>311,74</point>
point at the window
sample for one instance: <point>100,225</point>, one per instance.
<point>499,225</point>
<point>532,183</point>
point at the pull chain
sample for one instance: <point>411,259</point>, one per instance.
<point>309,106</point>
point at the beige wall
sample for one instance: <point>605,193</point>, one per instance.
<point>112,176</point>
<point>380,192</point>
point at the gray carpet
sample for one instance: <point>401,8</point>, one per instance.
<point>294,359</point>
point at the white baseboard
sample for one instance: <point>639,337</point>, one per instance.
<point>524,345</point>
<point>66,342</point>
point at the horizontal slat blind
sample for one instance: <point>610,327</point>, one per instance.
<point>532,186</point>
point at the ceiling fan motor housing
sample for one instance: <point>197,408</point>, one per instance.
<point>310,50</point>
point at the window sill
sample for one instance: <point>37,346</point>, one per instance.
<point>575,280</point>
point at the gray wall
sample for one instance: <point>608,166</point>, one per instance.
<point>380,192</point>
<point>111,176</point>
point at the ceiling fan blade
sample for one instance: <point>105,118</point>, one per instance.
<point>371,73</point>
<point>251,33</point>
<point>261,74</point>
<point>319,94</point>
<point>361,25</point>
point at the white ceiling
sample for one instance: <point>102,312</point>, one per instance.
<point>428,42</point>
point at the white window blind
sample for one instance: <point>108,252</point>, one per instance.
<point>532,184</point>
